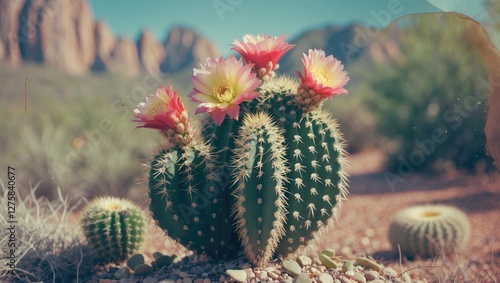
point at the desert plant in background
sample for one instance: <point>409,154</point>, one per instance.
<point>431,101</point>
<point>89,161</point>
<point>48,248</point>
<point>429,230</point>
<point>268,162</point>
<point>114,228</point>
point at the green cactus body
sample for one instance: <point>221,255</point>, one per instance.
<point>187,201</point>
<point>429,230</point>
<point>113,227</point>
<point>260,176</point>
<point>278,173</point>
<point>317,180</point>
<point>312,180</point>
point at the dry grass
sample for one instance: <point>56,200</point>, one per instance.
<point>47,243</point>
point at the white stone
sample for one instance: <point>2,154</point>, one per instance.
<point>237,274</point>
<point>325,278</point>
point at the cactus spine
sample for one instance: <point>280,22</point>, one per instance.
<point>187,201</point>
<point>113,227</point>
<point>429,230</point>
<point>260,176</point>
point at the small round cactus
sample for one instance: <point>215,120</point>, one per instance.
<point>429,230</point>
<point>114,227</point>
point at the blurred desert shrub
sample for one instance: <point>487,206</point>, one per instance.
<point>47,241</point>
<point>77,132</point>
<point>430,101</point>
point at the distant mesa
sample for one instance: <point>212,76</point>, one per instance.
<point>64,34</point>
<point>349,44</point>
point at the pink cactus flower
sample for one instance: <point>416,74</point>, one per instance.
<point>263,51</point>
<point>221,85</point>
<point>165,112</point>
<point>323,77</point>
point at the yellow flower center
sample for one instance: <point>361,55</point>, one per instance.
<point>321,76</point>
<point>224,92</point>
<point>155,107</point>
<point>429,214</point>
<point>113,206</point>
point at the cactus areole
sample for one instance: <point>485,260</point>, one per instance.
<point>270,175</point>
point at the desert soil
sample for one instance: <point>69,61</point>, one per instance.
<point>371,204</point>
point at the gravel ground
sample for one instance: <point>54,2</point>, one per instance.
<point>362,231</point>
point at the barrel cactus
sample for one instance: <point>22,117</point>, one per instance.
<point>267,168</point>
<point>113,227</point>
<point>429,230</point>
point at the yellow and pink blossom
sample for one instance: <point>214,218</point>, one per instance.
<point>165,112</point>
<point>221,85</point>
<point>323,77</point>
<point>263,51</point>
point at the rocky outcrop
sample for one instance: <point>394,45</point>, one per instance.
<point>63,34</point>
<point>58,33</point>
<point>9,25</point>
<point>104,42</point>
<point>123,58</point>
<point>151,52</point>
<point>185,47</point>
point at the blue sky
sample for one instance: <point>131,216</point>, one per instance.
<point>224,20</point>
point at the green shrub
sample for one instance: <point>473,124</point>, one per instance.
<point>430,100</point>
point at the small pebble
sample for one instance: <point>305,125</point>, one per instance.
<point>249,272</point>
<point>302,278</point>
<point>167,281</point>
<point>246,265</point>
<point>407,278</point>
<point>142,269</point>
<point>237,274</point>
<point>325,278</point>
<point>222,278</point>
<point>135,260</point>
<point>262,275</point>
<point>126,280</point>
<point>371,275</point>
<point>368,263</point>
<point>187,280</point>
<point>344,279</point>
<point>183,274</point>
<point>349,273</point>
<point>328,262</point>
<point>273,275</point>
<point>358,277</point>
<point>376,281</point>
<point>314,271</point>
<point>389,272</point>
<point>199,280</point>
<point>270,269</point>
<point>123,272</point>
<point>149,280</point>
<point>304,260</point>
<point>206,280</point>
<point>348,266</point>
<point>328,252</point>
<point>291,267</point>
<point>105,281</point>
